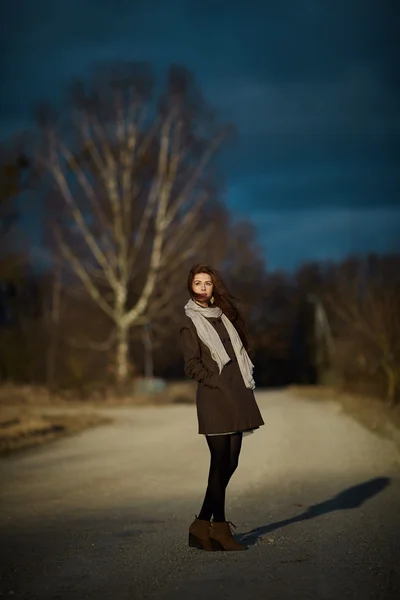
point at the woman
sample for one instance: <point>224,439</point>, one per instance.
<point>214,345</point>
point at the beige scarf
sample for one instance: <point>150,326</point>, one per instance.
<point>209,336</point>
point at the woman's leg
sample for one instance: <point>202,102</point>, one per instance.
<point>225,450</point>
<point>219,475</point>
<point>234,452</point>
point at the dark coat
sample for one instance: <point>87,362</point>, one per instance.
<point>224,403</point>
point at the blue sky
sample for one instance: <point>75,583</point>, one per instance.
<point>311,86</point>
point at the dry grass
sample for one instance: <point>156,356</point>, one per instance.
<point>34,396</point>
<point>25,420</point>
<point>371,412</point>
<point>23,428</point>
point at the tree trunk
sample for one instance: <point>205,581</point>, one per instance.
<point>51,358</point>
<point>122,353</point>
<point>122,349</point>
<point>391,391</point>
<point>391,387</point>
<point>148,352</point>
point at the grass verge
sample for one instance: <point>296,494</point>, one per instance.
<point>25,429</point>
<point>370,412</point>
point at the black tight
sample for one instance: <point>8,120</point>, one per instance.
<point>224,450</point>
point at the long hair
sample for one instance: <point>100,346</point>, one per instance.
<point>223,299</point>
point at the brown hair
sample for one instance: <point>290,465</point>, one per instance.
<point>222,298</point>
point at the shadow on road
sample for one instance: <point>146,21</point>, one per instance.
<point>352,497</point>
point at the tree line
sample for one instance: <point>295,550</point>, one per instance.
<point>126,176</point>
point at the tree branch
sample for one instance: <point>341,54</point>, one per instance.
<point>83,276</point>
<point>91,345</point>
<point>77,215</point>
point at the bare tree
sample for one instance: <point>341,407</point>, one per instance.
<point>13,181</point>
<point>130,173</point>
<point>367,300</point>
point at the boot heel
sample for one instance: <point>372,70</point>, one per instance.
<point>194,542</point>
<point>216,546</point>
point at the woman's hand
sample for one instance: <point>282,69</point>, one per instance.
<point>194,367</point>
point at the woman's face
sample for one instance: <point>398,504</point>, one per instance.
<point>203,286</point>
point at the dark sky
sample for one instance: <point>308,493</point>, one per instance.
<point>310,84</point>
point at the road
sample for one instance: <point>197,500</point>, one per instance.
<point>104,515</point>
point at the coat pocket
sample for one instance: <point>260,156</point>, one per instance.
<point>211,381</point>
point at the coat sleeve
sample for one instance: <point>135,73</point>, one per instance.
<point>194,367</point>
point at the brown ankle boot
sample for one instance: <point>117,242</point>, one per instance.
<point>221,537</point>
<point>199,534</point>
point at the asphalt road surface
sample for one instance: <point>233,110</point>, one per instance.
<point>104,515</point>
